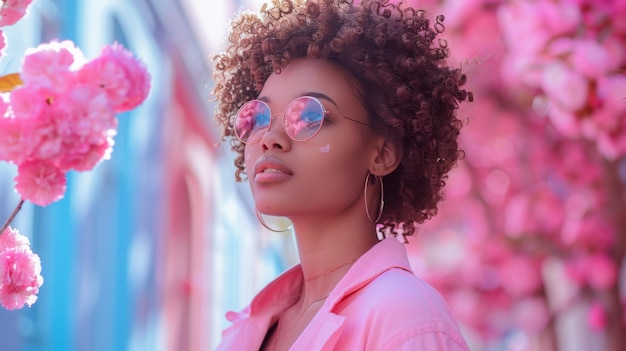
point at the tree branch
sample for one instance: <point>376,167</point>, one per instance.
<point>12,216</point>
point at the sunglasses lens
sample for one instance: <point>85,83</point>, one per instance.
<point>253,119</point>
<point>303,118</point>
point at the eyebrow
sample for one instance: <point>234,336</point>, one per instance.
<point>310,93</point>
<point>321,96</point>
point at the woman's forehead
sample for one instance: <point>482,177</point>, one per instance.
<point>310,77</point>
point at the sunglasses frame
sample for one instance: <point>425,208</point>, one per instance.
<point>325,112</point>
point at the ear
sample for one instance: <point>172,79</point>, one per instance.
<point>387,158</point>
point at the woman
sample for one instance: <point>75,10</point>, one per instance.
<point>343,118</point>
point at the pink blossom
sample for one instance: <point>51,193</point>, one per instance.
<point>614,45</point>
<point>536,213</point>
<point>519,19</point>
<point>87,157</point>
<point>12,10</point>
<point>522,69</point>
<point>123,77</point>
<point>28,101</point>
<point>576,206</point>
<point>42,138</point>
<point>531,314</point>
<point>560,47</point>
<point>612,145</point>
<point>11,238</point>
<point>596,270</point>
<point>618,13</point>
<point>564,121</point>
<point>575,271</point>
<point>51,65</point>
<point>604,13</point>
<point>596,317</point>
<point>475,50</point>
<point>590,58</point>
<point>92,114</point>
<point>519,275</point>
<point>466,305</point>
<point>20,271</point>
<point>3,43</point>
<point>558,17</point>
<point>516,213</point>
<point>88,130</point>
<point>567,88</point>
<point>584,221</point>
<point>4,105</point>
<point>457,12</point>
<point>40,182</point>
<point>608,117</point>
<point>576,164</point>
<point>558,201</point>
<point>589,128</point>
<point>601,271</point>
<point>37,113</point>
<point>20,274</point>
<point>12,148</point>
<point>547,211</point>
<point>72,129</point>
<point>611,93</point>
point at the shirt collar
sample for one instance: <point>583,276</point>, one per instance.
<point>284,291</point>
<point>387,254</point>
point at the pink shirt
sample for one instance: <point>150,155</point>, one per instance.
<point>379,304</point>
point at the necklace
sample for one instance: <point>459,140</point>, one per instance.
<point>279,324</point>
<point>330,271</point>
<point>280,318</point>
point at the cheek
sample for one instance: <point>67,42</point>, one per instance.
<point>335,160</point>
<point>248,161</point>
<point>249,156</point>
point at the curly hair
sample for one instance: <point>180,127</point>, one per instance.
<point>394,54</point>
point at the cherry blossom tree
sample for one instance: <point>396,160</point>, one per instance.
<point>534,224</point>
<point>58,114</point>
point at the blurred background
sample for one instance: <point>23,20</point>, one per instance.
<point>150,249</point>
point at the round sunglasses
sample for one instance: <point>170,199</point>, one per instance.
<point>302,119</point>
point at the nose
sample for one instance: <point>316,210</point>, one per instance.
<point>275,137</point>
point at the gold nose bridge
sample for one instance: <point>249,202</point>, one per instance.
<point>272,118</point>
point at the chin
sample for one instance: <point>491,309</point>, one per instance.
<point>272,204</point>
<point>270,209</point>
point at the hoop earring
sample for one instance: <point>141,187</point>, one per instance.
<point>382,198</point>
<point>258,215</point>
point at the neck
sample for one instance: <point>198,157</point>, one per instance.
<point>328,251</point>
<point>331,271</point>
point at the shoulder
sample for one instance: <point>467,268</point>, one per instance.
<point>399,308</point>
<point>400,291</point>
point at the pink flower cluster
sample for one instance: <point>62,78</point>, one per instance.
<point>575,61</point>
<point>501,240</point>
<point>532,216</point>
<point>63,116</point>
<point>20,271</point>
<point>10,12</point>
<point>56,115</point>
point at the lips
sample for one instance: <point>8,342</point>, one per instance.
<point>269,169</point>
